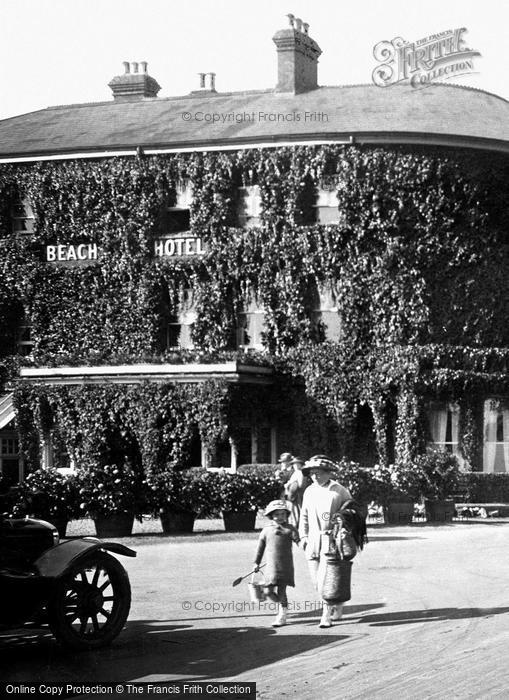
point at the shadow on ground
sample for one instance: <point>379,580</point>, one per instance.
<point>433,615</point>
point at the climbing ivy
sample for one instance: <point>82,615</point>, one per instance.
<point>418,263</point>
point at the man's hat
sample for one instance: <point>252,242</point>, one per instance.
<point>297,460</point>
<point>285,458</point>
<point>277,505</point>
<point>319,462</point>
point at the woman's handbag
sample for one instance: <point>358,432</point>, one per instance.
<point>336,580</point>
<point>257,590</point>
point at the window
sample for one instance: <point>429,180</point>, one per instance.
<point>251,326</point>
<point>177,327</point>
<point>22,217</point>
<point>496,436</point>
<point>10,463</point>
<point>327,206</point>
<point>325,313</point>
<point>177,219</point>
<point>25,341</point>
<point>443,422</point>
<point>250,206</point>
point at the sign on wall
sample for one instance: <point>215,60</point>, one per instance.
<point>174,246</point>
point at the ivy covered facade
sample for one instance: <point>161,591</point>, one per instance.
<point>346,298</point>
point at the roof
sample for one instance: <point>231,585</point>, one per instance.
<point>439,113</point>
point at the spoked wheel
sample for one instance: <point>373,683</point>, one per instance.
<point>91,602</point>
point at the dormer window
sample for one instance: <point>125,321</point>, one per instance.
<point>249,209</point>
<point>22,217</point>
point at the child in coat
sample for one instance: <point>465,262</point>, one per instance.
<point>276,542</point>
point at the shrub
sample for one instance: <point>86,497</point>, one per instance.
<point>243,492</point>
<point>486,488</point>
<point>48,494</point>
<point>186,491</point>
<point>108,489</point>
<point>438,474</point>
<point>361,482</point>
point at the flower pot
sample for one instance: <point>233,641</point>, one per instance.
<point>439,511</point>
<point>239,522</point>
<point>174,523</point>
<point>399,513</point>
<point>114,525</point>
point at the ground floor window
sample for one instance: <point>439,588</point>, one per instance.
<point>443,424</point>
<point>496,436</point>
<point>11,464</point>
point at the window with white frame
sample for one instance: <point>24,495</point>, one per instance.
<point>250,206</point>
<point>443,423</point>
<point>496,436</point>
<point>327,211</point>
<point>325,313</point>
<point>177,327</point>
<point>22,217</point>
<point>178,217</point>
<point>251,326</point>
<point>10,461</point>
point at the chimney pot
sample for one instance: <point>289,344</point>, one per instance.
<point>133,85</point>
<point>202,79</point>
<point>297,57</point>
<point>212,81</point>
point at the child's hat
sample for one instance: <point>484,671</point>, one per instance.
<point>276,505</point>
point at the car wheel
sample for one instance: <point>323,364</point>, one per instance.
<point>90,603</point>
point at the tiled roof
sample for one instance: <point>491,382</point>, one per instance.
<point>400,112</point>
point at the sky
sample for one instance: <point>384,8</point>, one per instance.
<point>55,52</point>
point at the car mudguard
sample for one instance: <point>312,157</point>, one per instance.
<point>57,560</point>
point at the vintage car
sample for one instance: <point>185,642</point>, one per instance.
<point>76,587</point>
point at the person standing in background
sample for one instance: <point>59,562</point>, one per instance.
<point>294,490</point>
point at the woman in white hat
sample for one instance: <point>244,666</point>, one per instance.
<point>275,542</point>
<point>321,501</point>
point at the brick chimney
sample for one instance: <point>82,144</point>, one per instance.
<point>134,84</point>
<point>297,58</point>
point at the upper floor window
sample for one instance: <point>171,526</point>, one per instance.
<point>22,217</point>
<point>443,423</point>
<point>177,219</point>
<point>250,206</point>
<point>325,313</point>
<point>496,435</point>
<point>177,327</point>
<point>251,326</point>
<point>327,211</point>
<point>25,340</point>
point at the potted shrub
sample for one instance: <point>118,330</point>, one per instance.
<point>402,493</point>
<point>439,477</point>
<point>239,497</point>
<point>179,497</point>
<point>49,495</point>
<point>112,496</point>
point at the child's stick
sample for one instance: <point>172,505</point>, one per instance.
<point>241,578</point>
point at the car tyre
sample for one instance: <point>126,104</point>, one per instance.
<point>90,602</point>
